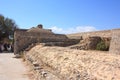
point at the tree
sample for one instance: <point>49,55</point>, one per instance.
<point>7,27</point>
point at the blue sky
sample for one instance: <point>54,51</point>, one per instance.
<point>63,16</point>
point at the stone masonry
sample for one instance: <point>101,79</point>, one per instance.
<point>114,35</point>
<point>115,42</point>
<point>24,38</point>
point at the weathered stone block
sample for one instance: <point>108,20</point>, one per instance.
<point>115,42</point>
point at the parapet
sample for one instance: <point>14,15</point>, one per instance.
<point>39,29</point>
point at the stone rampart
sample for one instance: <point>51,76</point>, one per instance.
<point>23,39</point>
<point>113,34</point>
<point>115,42</point>
<point>105,33</point>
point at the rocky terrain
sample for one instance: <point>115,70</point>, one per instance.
<point>62,63</point>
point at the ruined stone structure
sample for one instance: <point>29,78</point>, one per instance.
<point>106,35</point>
<point>88,43</point>
<point>24,38</point>
<point>60,63</point>
<point>115,42</point>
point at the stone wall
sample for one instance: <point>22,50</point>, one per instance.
<point>114,35</point>
<point>115,42</point>
<point>23,39</point>
<point>105,33</point>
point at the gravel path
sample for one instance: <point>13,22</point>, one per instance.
<point>12,68</point>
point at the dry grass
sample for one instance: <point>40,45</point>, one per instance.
<point>78,64</point>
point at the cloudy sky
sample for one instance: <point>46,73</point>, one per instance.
<point>63,16</point>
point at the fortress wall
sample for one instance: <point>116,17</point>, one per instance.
<point>115,42</point>
<point>23,39</point>
<point>38,35</point>
<point>113,34</point>
<point>105,33</point>
<point>17,40</point>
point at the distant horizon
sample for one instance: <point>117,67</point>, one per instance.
<point>63,16</point>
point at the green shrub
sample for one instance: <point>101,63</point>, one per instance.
<point>102,46</point>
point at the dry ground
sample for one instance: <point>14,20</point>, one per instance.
<point>70,64</point>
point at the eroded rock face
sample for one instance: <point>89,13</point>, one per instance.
<point>107,41</point>
<point>89,43</point>
<point>92,42</point>
<point>57,63</point>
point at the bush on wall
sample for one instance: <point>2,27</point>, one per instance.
<point>102,46</point>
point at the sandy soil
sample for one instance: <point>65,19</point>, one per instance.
<point>12,68</point>
<point>71,64</point>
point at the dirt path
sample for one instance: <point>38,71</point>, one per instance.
<point>12,68</point>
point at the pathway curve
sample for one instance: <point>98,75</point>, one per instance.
<point>12,68</point>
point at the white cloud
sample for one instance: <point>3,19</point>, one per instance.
<point>77,29</point>
<point>56,29</point>
<point>85,28</point>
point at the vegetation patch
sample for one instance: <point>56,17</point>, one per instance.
<point>102,46</point>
